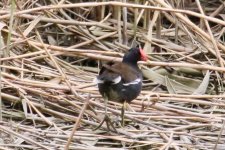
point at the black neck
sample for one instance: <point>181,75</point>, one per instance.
<point>131,63</point>
<point>130,59</point>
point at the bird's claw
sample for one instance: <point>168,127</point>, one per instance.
<point>108,124</point>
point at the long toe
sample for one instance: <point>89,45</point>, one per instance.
<point>109,124</point>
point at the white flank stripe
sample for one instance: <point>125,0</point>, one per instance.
<point>97,81</point>
<point>136,81</point>
<point>117,80</point>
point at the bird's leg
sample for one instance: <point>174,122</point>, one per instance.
<point>106,104</point>
<point>125,106</point>
<point>122,113</point>
<point>106,117</point>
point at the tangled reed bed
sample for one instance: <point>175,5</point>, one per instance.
<point>50,56</point>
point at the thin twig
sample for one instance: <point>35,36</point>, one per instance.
<point>77,123</point>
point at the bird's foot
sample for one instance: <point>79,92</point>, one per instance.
<point>108,122</point>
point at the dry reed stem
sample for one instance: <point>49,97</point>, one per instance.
<point>76,124</point>
<point>7,130</point>
<point>55,48</point>
<point>151,63</point>
<point>90,4</point>
<point>220,60</point>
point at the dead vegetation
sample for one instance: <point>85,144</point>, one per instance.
<point>50,55</point>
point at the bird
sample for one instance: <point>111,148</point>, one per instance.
<point>121,81</point>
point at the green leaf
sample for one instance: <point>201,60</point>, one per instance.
<point>169,86</point>
<point>174,83</point>
<point>203,86</point>
<point>24,104</point>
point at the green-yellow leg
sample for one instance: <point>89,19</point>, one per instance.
<point>106,117</point>
<point>122,113</point>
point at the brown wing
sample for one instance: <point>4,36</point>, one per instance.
<point>127,72</point>
<point>107,73</point>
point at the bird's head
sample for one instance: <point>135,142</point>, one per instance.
<point>134,55</point>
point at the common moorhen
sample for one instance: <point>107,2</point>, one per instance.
<point>121,82</point>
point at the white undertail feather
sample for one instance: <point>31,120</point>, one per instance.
<point>136,81</point>
<point>117,80</point>
<point>97,81</point>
